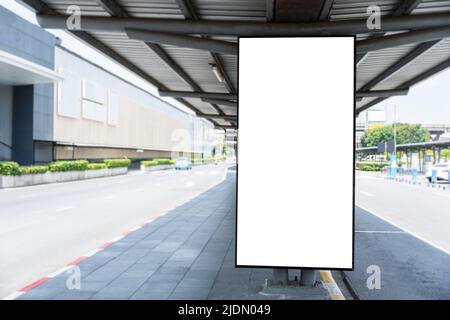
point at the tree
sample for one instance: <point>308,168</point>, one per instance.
<point>405,133</point>
<point>445,154</point>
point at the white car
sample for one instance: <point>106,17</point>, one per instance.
<point>441,170</point>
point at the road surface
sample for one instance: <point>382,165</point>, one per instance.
<point>45,227</point>
<point>420,210</point>
<point>404,231</point>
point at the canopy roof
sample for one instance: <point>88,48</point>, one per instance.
<point>184,47</point>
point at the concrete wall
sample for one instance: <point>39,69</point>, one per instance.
<point>32,105</point>
<point>6,114</point>
<point>96,108</point>
<point>26,40</point>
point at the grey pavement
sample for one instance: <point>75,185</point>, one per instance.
<point>186,254</point>
<point>45,227</point>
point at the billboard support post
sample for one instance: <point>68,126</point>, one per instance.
<point>308,277</point>
<point>280,276</point>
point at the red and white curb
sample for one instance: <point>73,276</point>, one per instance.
<point>75,262</point>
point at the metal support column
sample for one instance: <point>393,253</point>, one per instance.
<point>280,276</point>
<point>308,277</point>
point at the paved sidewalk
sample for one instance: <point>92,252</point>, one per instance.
<point>186,254</point>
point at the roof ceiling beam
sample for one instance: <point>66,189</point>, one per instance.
<point>248,28</point>
<point>41,7</point>
<point>404,8</point>
<point>416,52</point>
<point>115,10</point>
<point>182,40</point>
<point>190,14</point>
<point>218,116</point>
<point>270,9</point>
<point>219,101</point>
<point>198,94</point>
<point>382,93</point>
<point>364,46</point>
<point>297,10</point>
<point>326,9</point>
<point>421,77</point>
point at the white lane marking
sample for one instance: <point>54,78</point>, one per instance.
<point>65,208</point>
<point>367,193</point>
<point>404,229</point>
<point>378,231</point>
<point>441,194</point>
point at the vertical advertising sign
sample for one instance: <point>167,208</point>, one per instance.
<point>296,119</point>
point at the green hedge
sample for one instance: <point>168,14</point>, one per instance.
<point>149,163</point>
<point>32,169</point>
<point>196,160</point>
<point>165,161</point>
<point>96,166</point>
<point>9,168</point>
<point>63,166</point>
<point>371,166</point>
<point>117,163</point>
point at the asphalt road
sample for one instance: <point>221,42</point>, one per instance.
<point>404,231</point>
<point>420,210</point>
<point>45,227</point>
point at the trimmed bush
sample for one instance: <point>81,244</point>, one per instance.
<point>32,169</point>
<point>96,166</point>
<point>117,163</point>
<point>9,168</point>
<point>165,161</point>
<point>197,160</point>
<point>149,163</point>
<point>63,166</point>
<point>372,166</point>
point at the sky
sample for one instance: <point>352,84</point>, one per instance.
<point>427,102</point>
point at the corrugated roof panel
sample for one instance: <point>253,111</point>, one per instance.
<point>432,6</point>
<point>376,62</point>
<point>196,64</point>
<point>254,10</point>
<point>88,7</point>
<point>351,9</point>
<point>436,55</point>
<point>140,55</point>
<point>163,9</point>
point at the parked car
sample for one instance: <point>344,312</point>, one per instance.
<point>183,163</point>
<point>441,170</point>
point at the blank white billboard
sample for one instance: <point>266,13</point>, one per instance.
<point>295,201</point>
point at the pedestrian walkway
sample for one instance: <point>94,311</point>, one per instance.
<point>188,253</point>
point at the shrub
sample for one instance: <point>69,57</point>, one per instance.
<point>9,168</point>
<point>165,161</point>
<point>62,166</point>
<point>117,163</point>
<point>197,160</point>
<point>32,169</point>
<point>149,163</point>
<point>96,166</point>
<point>371,166</point>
